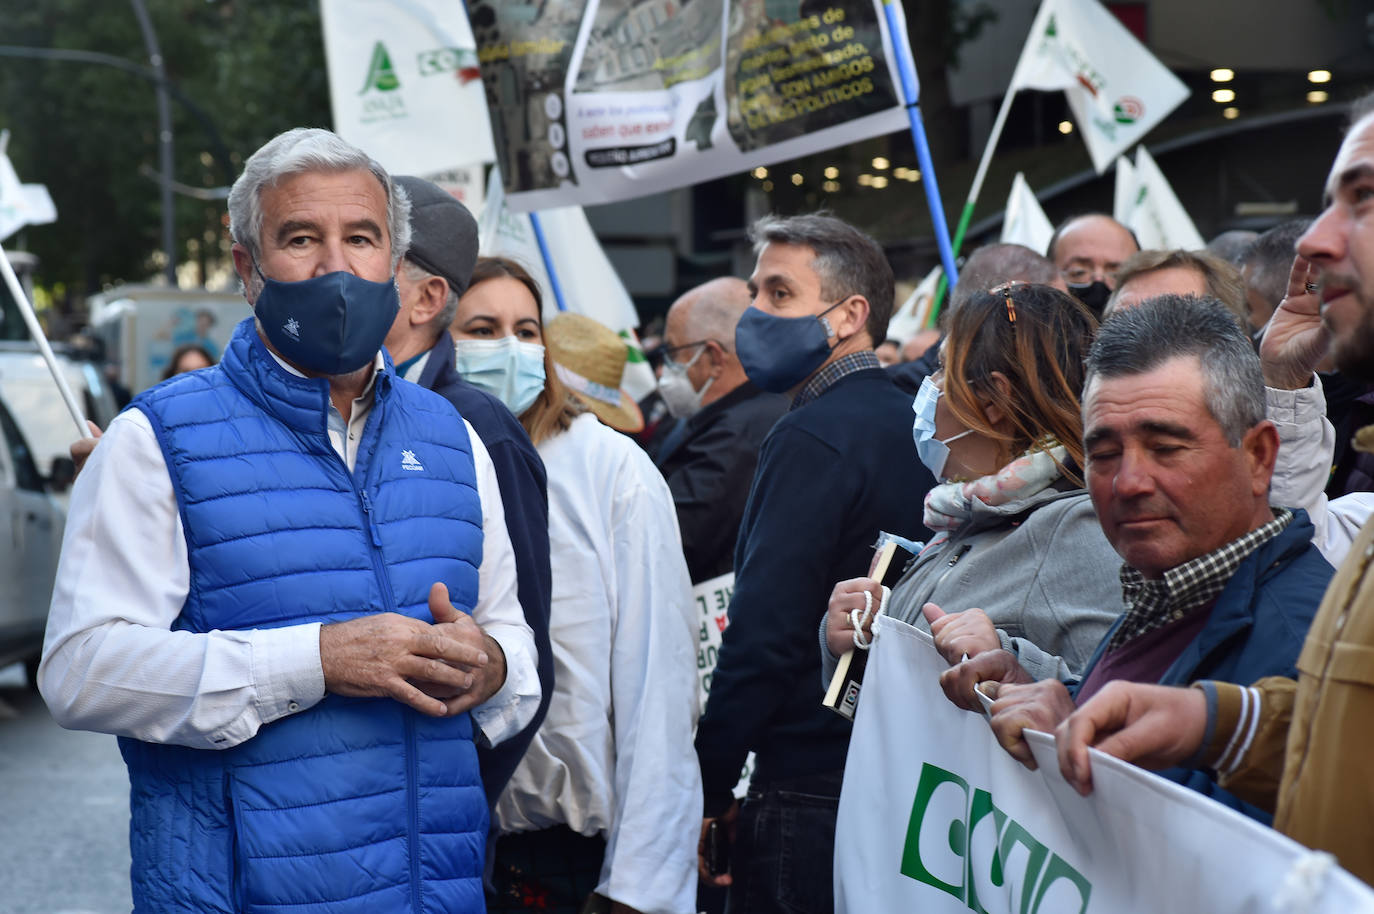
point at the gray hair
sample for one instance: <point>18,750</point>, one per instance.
<point>302,150</point>
<point>1270,259</point>
<point>994,264</point>
<point>1142,338</point>
<point>847,261</point>
<point>416,273</point>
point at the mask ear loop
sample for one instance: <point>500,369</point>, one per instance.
<point>860,617</point>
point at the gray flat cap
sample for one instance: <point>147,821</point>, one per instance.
<point>443,234</point>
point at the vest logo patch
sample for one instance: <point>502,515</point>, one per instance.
<point>408,462</point>
<point>292,328</point>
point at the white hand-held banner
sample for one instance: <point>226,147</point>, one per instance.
<point>935,817</point>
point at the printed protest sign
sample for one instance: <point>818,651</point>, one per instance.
<point>935,817</point>
<point>712,599</point>
<point>610,99</point>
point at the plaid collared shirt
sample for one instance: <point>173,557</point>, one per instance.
<point>822,380</point>
<point>1151,605</point>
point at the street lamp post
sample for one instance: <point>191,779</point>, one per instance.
<point>164,128</point>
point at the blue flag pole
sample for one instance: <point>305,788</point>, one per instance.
<point>548,262</point>
<point>911,95</point>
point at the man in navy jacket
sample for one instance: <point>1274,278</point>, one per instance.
<point>835,471</point>
<point>432,276</point>
<point>1217,584</point>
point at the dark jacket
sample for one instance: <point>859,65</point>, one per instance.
<point>831,475</point>
<point>524,495</point>
<point>1255,629</point>
<point>709,474</point>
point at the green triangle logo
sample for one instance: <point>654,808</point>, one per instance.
<point>380,75</point>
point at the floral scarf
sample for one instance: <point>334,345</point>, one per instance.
<point>951,504</point>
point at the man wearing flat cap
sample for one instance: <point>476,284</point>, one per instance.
<point>432,276</point>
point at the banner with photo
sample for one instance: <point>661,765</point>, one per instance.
<point>606,100</point>
<point>712,599</point>
<point>935,817</point>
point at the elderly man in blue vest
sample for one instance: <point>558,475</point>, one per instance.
<point>286,581</point>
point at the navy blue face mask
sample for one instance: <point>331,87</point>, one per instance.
<point>778,353</point>
<point>331,324</point>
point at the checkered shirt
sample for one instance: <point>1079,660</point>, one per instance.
<point>822,380</point>
<point>1151,605</point>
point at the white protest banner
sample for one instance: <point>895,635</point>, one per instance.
<point>1025,222</point>
<point>1116,88</point>
<point>935,817</point>
<point>713,599</point>
<point>404,83</point>
<point>912,315</point>
<point>1157,216</point>
<point>586,277</point>
<point>1123,199</point>
<point>603,100</point>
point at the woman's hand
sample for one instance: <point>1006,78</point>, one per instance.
<point>961,635</point>
<point>845,598</point>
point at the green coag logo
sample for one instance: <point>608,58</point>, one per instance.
<point>958,842</point>
<point>380,75</point>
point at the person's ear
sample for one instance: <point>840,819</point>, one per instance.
<point>243,266</point>
<point>433,292</point>
<point>851,317</point>
<point>995,415</point>
<point>1261,446</point>
<point>715,358</point>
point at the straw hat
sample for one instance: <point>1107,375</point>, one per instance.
<point>590,359</point>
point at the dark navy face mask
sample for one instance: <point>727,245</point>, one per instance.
<point>332,324</point>
<point>778,353</point>
<point>1093,295</point>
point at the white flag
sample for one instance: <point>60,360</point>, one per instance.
<point>936,817</point>
<point>1116,88</point>
<point>404,83</point>
<point>588,281</point>
<point>1157,217</point>
<point>1124,199</point>
<point>1025,222</point>
<point>21,204</point>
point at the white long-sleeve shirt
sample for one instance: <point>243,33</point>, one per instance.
<point>614,755</point>
<point>1306,446</point>
<point>112,664</point>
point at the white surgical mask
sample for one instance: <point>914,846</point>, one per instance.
<point>933,452</point>
<point>508,369</point>
<point>676,389</point>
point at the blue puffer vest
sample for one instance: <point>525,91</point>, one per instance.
<point>355,805</point>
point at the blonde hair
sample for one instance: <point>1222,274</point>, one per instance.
<point>555,408</point>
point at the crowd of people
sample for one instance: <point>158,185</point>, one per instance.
<point>392,608</point>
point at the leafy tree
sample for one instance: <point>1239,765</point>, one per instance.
<point>242,71</point>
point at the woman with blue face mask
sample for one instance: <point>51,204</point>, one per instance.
<point>1019,561</point>
<point>609,792</point>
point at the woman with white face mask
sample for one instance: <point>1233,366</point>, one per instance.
<point>608,797</point>
<point>1018,560</point>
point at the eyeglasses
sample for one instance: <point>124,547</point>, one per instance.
<point>1082,275</point>
<point>670,352</point>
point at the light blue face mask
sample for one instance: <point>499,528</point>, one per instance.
<point>506,368</point>
<point>933,452</point>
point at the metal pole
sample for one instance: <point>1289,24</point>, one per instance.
<point>548,262</point>
<point>164,140</point>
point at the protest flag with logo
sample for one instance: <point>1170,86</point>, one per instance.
<point>1025,222</point>
<point>21,204</point>
<point>404,83</point>
<point>1156,214</point>
<point>1123,199</point>
<point>1116,88</point>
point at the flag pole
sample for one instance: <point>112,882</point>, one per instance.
<point>36,330</point>
<point>548,262</point>
<point>977,188</point>
<point>911,95</point>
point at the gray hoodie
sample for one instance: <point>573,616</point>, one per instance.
<point>1040,568</point>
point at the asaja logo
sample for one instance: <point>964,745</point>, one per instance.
<point>958,842</point>
<point>292,328</point>
<point>380,74</point>
<point>1128,109</point>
